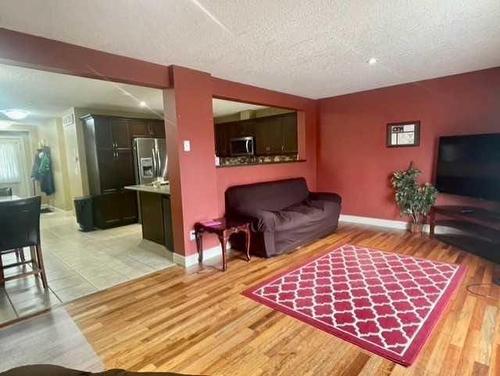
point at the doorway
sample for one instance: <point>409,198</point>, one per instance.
<point>68,118</point>
<point>14,167</point>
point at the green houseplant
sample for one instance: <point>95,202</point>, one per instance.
<point>414,200</point>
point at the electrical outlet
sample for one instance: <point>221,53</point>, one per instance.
<point>191,235</point>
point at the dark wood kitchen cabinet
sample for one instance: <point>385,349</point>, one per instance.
<point>115,209</point>
<point>156,128</point>
<point>274,135</point>
<point>146,128</point>
<point>157,218</point>
<point>289,131</point>
<point>268,140</point>
<point>110,164</point>
<point>221,140</point>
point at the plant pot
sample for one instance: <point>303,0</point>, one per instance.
<point>416,228</point>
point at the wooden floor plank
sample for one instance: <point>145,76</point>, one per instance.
<point>198,322</point>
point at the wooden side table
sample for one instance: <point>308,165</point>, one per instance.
<point>223,229</point>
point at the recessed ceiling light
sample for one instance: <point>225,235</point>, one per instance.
<point>372,61</point>
<point>15,114</point>
<point>142,104</point>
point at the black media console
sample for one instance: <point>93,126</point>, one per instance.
<point>476,230</point>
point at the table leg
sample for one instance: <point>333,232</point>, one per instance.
<point>247,243</point>
<point>2,277</point>
<point>223,242</point>
<point>20,251</point>
<point>43,276</point>
<point>199,245</point>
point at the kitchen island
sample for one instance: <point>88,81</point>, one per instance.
<point>155,213</point>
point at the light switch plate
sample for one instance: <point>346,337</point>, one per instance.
<point>187,145</point>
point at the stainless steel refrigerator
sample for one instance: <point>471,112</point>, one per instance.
<point>150,160</point>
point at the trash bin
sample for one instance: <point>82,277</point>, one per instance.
<point>84,213</point>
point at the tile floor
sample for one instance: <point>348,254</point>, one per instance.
<point>79,264</point>
<point>50,338</point>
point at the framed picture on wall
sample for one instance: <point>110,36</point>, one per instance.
<point>403,134</point>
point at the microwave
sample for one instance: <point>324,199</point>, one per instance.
<point>241,146</point>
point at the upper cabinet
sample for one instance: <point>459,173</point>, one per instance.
<point>156,128</point>
<point>289,133</point>
<point>274,135</point>
<point>120,133</point>
<point>268,137</point>
<point>108,145</point>
<point>146,128</point>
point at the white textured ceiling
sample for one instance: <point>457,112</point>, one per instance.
<point>313,48</point>
<point>222,107</point>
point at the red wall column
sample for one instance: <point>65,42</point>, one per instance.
<point>188,117</point>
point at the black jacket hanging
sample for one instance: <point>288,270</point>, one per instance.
<point>42,171</point>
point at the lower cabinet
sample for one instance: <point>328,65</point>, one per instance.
<point>115,209</point>
<point>156,218</point>
<point>167,223</point>
<point>152,217</point>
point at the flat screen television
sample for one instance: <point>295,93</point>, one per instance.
<point>470,166</point>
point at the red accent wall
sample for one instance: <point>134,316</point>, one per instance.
<point>352,157</point>
<point>188,116</point>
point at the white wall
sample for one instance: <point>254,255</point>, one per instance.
<point>51,134</point>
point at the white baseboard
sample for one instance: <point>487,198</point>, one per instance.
<point>388,223</point>
<point>210,254</point>
<point>379,222</point>
<point>214,253</point>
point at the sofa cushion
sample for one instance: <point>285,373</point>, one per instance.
<point>271,196</point>
<point>299,215</point>
<point>330,208</point>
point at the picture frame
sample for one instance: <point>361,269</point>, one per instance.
<point>403,134</point>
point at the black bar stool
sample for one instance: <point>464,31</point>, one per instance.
<point>7,192</point>
<point>19,228</point>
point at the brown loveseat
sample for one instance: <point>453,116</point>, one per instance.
<point>283,213</point>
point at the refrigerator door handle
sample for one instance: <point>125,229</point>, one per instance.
<point>155,159</point>
<point>158,163</point>
<point>155,168</point>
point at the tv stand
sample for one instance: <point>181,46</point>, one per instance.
<point>473,229</point>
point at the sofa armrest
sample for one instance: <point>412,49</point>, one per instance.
<point>261,220</point>
<point>325,196</point>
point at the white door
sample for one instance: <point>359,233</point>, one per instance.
<point>14,170</point>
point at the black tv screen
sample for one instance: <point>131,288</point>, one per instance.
<point>470,166</point>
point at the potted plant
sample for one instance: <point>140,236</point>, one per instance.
<point>413,199</point>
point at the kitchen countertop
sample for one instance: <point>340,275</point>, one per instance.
<point>260,163</point>
<point>163,190</point>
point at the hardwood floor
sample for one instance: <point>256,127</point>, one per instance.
<point>199,322</point>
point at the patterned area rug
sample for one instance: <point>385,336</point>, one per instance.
<point>383,302</point>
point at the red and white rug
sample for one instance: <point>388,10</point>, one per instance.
<point>383,302</point>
